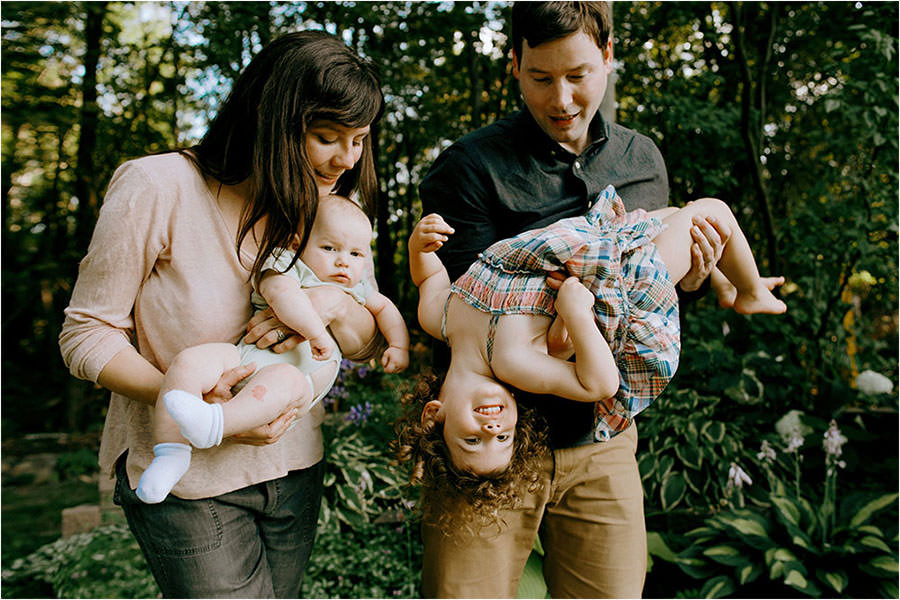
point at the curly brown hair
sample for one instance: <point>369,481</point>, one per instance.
<point>478,499</point>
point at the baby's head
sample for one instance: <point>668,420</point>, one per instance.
<point>481,450</point>
<point>339,243</point>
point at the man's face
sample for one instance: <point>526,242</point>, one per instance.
<point>563,83</point>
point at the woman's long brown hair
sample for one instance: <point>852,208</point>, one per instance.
<point>259,134</point>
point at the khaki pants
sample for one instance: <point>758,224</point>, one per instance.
<point>590,516</point>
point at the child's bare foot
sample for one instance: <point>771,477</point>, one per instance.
<point>761,300</point>
<point>724,290</point>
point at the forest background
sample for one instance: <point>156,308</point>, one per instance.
<point>787,111</point>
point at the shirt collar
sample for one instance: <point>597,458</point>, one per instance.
<point>543,146</point>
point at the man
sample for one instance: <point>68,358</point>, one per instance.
<point>525,171</point>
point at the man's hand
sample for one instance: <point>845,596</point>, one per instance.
<point>266,331</point>
<point>709,239</point>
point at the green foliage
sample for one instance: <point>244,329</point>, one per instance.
<point>788,111</point>
<point>785,544</point>
<point>361,481</point>
<point>687,447</point>
<point>77,463</point>
<point>371,561</point>
<point>704,421</point>
<point>794,535</point>
<point>32,512</point>
<point>105,563</point>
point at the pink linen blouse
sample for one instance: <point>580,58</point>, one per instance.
<point>162,273</point>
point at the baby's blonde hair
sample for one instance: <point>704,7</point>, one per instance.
<point>341,205</point>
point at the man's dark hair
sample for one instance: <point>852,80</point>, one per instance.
<point>539,22</point>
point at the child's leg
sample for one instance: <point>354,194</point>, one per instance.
<point>737,263</point>
<point>198,369</point>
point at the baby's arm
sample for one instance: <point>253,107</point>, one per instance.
<point>428,272</point>
<point>293,308</point>
<point>390,322</point>
<point>593,376</point>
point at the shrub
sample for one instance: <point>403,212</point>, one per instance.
<point>372,561</point>
<point>104,563</point>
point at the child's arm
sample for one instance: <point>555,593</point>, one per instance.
<point>293,308</point>
<point>428,272</point>
<point>559,344</point>
<point>390,322</point>
<point>592,377</point>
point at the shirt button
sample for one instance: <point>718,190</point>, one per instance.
<point>577,165</point>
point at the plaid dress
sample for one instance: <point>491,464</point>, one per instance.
<point>636,308</point>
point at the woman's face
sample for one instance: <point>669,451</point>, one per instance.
<point>333,149</point>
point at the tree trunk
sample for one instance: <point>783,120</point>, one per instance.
<point>85,186</point>
<point>384,245</point>
<point>751,133</point>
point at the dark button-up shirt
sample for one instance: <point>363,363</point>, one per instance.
<point>509,177</point>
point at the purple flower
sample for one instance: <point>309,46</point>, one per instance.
<point>359,413</point>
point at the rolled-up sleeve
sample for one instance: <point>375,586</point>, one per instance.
<point>128,238</point>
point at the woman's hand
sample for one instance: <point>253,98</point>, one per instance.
<point>266,331</point>
<point>271,433</point>
<point>221,392</point>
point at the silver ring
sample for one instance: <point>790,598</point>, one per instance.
<point>279,333</point>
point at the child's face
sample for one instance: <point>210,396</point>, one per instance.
<point>479,425</point>
<point>338,247</point>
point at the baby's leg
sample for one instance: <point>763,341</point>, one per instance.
<point>268,394</point>
<point>197,369</point>
<point>737,262</point>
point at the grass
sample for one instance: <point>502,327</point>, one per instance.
<point>32,513</point>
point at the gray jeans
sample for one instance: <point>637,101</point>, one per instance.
<point>249,543</point>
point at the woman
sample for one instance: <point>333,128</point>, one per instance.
<point>169,266</point>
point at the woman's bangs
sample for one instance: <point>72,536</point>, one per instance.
<point>354,100</point>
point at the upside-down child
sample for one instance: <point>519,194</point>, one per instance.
<point>616,308</point>
<point>336,254</point>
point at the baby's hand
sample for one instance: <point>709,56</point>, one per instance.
<point>321,347</point>
<point>573,298</point>
<point>430,234</point>
<point>395,359</point>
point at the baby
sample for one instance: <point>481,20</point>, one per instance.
<point>617,310</point>
<point>336,254</point>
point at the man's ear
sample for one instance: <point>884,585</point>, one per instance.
<point>608,54</point>
<point>431,410</point>
<point>515,65</point>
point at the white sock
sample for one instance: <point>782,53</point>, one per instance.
<point>201,423</point>
<point>170,463</point>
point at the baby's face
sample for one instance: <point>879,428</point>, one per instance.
<point>479,426</point>
<point>338,248</point>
